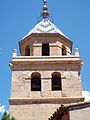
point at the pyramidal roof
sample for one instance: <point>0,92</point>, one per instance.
<point>45,25</point>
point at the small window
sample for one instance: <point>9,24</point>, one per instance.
<point>45,49</point>
<point>56,81</point>
<point>27,51</point>
<point>36,82</point>
<point>64,52</point>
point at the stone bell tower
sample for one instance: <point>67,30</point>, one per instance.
<point>46,74</point>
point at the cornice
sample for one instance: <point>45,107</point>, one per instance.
<point>21,101</point>
<point>46,60</point>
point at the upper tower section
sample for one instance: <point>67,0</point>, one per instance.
<point>46,71</point>
<point>45,39</point>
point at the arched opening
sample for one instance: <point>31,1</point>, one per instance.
<point>27,51</point>
<point>56,81</point>
<point>35,81</point>
<point>45,49</point>
<point>64,52</point>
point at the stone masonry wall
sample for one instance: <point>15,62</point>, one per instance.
<point>81,114</point>
<point>35,45</point>
<point>21,81</point>
<point>33,111</point>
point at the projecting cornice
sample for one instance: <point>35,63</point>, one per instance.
<point>45,36</point>
<point>46,59</point>
<point>20,101</point>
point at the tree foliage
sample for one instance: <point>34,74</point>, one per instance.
<point>6,116</point>
<point>12,118</point>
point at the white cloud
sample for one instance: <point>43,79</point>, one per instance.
<point>86,94</point>
<point>2,109</point>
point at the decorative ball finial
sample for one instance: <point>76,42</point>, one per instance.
<point>45,12</point>
<point>76,52</point>
<point>14,53</point>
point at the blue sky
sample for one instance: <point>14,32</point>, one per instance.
<point>17,17</point>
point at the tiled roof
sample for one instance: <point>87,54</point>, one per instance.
<point>45,26</point>
<point>61,111</point>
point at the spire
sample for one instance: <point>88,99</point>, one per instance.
<point>45,12</point>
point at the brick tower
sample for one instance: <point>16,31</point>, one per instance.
<point>46,74</point>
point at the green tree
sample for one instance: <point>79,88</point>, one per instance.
<point>12,118</point>
<point>6,116</point>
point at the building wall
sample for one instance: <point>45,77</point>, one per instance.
<point>80,114</point>
<point>36,46</point>
<point>21,81</point>
<point>22,67</point>
<point>33,111</point>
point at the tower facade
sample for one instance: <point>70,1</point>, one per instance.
<point>46,74</point>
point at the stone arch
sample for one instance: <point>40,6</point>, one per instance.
<point>27,51</point>
<point>35,81</point>
<point>56,81</point>
<point>45,49</point>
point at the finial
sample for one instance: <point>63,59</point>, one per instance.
<point>45,12</point>
<point>14,53</point>
<point>76,52</point>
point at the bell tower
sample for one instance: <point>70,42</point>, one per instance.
<point>46,74</point>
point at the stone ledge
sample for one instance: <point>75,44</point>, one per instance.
<point>44,35</point>
<point>46,60</point>
<point>64,100</point>
<point>48,57</point>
